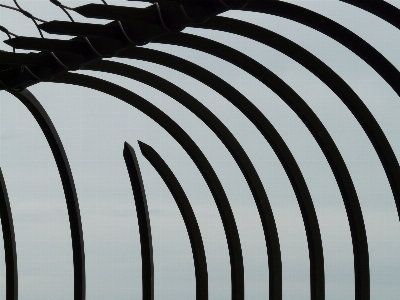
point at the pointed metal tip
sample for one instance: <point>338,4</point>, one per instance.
<point>92,8</point>
<point>142,145</point>
<point>144,148</point>
<point>9,42</point>
<point>47,25</point>
<point>127,146</point>
<point>83,9</point>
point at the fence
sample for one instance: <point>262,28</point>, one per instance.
<point>127,34</point>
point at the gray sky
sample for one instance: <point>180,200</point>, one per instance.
<point>94,126</point>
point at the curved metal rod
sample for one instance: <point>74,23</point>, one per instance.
<point>22,11</point>
<point>222,132</point>
<point>10,249</point>
<point>32,17</point>
<point>317,277</point>
<point>45,123</point>
<point>332,80</point>
<point>142,212</point>
<point>354,104</point>
<point>60,5</point>
<point>381,9</point>
<point>225,211</point>
<point>26,13</point>
<point>334,30</point>
<point>5,30</point>
<point>262,124</point>
<point>196,241</point>
<point>10,7</point>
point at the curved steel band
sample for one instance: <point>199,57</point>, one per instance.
<point>211,121</point>
<point>67,180</point>
<point>355,105</point>
<point>360,246</point>
<point>10,249</point>
<point>228,221</point>
<point>196,241</point>
<point>265,128</point>
<point>382,9</point>
<point>334,30</point>
<point>143,217</point>
<point>377,61</point>
<point>366,52</point>
<point>292,99</point>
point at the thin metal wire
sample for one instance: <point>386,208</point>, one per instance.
<point>5,30</point>
<point>161,18</point>
<point>26,13</point>
<point>93,48</point>
<point>58,3</point>
<point>124,33</point>
<point>63,7</point>
<point>37,26</point>
<point>59,61</point>
<point>9,7</point>
<point>30,72</point>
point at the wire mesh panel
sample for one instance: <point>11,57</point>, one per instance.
<point>253,154</point>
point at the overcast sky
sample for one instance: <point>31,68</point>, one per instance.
<point>93,128</point>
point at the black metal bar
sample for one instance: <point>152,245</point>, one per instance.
<point>296,103</point>
<point>332,80</point>
<point>196,241</point>
<point>30,59</point>
<point>112,12</point>
<point>45,123</point>
<point>263,125</point>
<point>359,110</point>
<point>76,46</point>
<point>143,220</point>
<point>34,43</point>
<point>228,220</point>
<point>111,30</point>
<point>214,124</point>
<point>334,30</point>
<point>379,8</point>
<point>137,32</point>
<point>10,249</point>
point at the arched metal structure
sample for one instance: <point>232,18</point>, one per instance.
<point>161,22</point>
